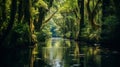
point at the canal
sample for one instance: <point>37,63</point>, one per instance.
<point>59,52</point>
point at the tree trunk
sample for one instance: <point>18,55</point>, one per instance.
<point>40,19</point>
<point>20,11</point>
<point>81,7</point>
<point>27,14</point>
<point>11,22</point>
<point>3,12</point>
<point>92,14</point>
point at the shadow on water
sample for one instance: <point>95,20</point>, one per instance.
<point>58,52</point>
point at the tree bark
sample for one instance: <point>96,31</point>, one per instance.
<point>81,7</point>
<point>11,22</point>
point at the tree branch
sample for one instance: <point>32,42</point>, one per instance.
<point>48,19</point>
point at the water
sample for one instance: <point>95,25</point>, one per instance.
<point>58,52</point>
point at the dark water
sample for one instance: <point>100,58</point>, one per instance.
<point>58,52</point>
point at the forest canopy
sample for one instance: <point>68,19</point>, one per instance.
<point>30,21</point>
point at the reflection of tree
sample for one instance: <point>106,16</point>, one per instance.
<point>76,50</point>
<point>68,52</point>
<point>57,51</point>
<point>53,51</point>
<point>93,57</point>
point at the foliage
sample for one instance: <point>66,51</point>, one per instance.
<point>19,36</point>
<point>92,20</point>
<point>67,7</point>
<point>56,18</point>
<point>41,3</point>
<point>109,27</point>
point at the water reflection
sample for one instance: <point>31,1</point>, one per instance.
<point>58,52</point>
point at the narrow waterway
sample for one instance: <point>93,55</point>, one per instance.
<point>59,52</point>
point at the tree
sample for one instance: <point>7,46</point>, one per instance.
<point>93,12</point>
<point>81,8</point>
<point>11,21</point>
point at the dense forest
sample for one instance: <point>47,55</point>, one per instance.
<point>23,23</point>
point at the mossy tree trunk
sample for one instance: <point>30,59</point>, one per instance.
<point>92,13</point>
